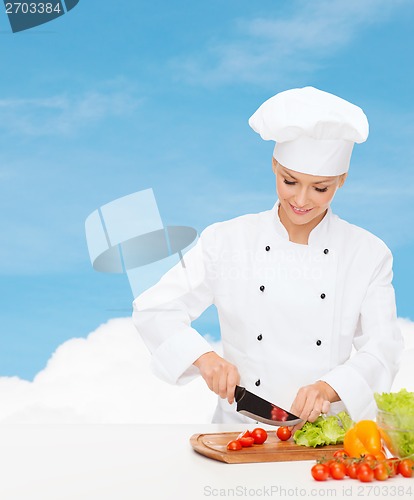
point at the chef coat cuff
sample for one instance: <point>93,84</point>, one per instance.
<point>354,392</point>
<point>184,348</point>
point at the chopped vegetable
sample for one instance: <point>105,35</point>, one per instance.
<point>346,420</point>
<point>244,434</point>
<point>325,430</point>
<point>234,445</point>
<point>246,442</point>
<point>259,435</point>
<point>309,435</point>
<point>247,438</point>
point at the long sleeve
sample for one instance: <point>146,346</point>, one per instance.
<point>378,343</point>
<point>163,315</point>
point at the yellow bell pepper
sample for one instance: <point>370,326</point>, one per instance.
<point>364,438</point>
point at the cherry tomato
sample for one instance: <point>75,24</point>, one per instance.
<point>246,442</point>
<point>370,459</point>
<point>405,467</point>
<point>365,473</point>
<point>392,466</point>
<point>341,454</point>
<point>283,433</point>
<point>278,414</point>
<point>245,433</point>
<point>337,470</point>
<point>234,445</point>
<point>259,435</point>
<point>352,469</point>
<point>320,472</point>
<point>381,471</point>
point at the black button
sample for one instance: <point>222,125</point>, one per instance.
<point>267,248</point>
<point>323,295</point>
<point>257,383</point>
<point>318,342</point>
<point>262,288</point>
<point>326,251</point>
<point>259,337</point>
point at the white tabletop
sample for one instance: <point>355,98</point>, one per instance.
<point>131,462</point>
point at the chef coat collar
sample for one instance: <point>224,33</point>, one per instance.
<point>318,235</point>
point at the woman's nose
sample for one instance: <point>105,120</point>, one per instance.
<point>301,198</point>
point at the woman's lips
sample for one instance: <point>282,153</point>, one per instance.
<point>300,211</point>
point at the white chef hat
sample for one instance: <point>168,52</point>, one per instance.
<point>314,131</point>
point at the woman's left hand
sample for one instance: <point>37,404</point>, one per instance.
<point>311,401</point>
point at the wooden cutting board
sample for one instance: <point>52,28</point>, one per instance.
<point>273,450</point>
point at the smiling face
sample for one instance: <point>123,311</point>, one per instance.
<point>304,199</point>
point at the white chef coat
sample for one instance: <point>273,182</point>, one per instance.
<point>290,314</point>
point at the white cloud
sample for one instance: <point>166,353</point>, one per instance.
<point>65,113</point>
<point>105,378</point>
<point>261,48</point>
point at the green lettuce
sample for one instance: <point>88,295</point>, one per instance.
<point>398,420</point>
<point>325,430</point>
<point>309,435</point>
<point>346,420</point>
<point>399,406</point>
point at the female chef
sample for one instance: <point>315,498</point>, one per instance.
<point>305,300</point>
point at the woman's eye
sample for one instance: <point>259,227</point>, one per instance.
<point>321,190</point>
<point>289,183</point>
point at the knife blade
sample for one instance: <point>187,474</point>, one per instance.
<point>255,407</point>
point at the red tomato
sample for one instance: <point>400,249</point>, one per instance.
<point>245,433</point>
<point>405,467</point>
<point>381,471</point>
<point>234,445</point>
<point>283,433</point>
<point>278,414</point>
<point>337,470</point>
<point>320,472</point>
<point>370,459</point>
<point>259,435</point>
<point>352,469</point>
<point>392,466</point>
<point>365,473</point>
<point>341,454</point>
<point>246,442</point>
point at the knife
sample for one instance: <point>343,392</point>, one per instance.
<point>259,409</point>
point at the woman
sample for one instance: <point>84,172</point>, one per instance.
<point>305,301</point>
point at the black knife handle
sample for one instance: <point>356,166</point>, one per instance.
<point>239,393</point>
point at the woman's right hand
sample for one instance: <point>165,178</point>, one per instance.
<point>220,375</point>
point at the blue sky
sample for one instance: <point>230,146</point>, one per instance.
<point>116,97</point>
